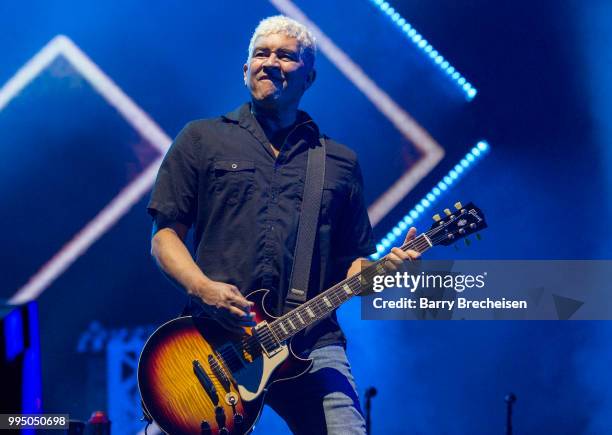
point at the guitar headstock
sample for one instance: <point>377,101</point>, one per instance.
<point>456,225</point>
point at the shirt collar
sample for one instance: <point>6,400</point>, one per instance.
<point>242,116</point>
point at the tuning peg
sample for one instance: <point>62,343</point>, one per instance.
<point>458,205</point>
<point>436,217</point>
<point>478,236</point>
<point>467,241</point>
<point>447,211</point>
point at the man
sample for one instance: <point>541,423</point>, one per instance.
<point>238,180</point>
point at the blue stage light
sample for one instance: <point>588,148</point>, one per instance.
<point>476,153</point>
<point>482,145</point>
<point>470,91</point>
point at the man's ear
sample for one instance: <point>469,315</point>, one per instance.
<point>245,69</point>
<point>312,75</point>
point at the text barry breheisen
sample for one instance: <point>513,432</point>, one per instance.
<point>462,304</point>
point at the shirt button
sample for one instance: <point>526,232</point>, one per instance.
<point>234,165</point>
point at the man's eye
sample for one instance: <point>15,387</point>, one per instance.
<point>259,54</point>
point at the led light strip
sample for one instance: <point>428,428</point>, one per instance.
<point>421,42</point>
<point>130,195</point>
<point>449,179</point>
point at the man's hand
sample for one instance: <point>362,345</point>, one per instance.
<point>397,257</point>
<point>231,308</point>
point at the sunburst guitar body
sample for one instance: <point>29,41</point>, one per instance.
<point>196,377</point>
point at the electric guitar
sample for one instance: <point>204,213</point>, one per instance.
<point>196,377</point>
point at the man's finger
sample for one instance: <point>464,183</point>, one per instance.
<point>413,255</point>
<point>399,254</point>
<point>411,234</point>
<point>237,298</point>
<point>236,311</point>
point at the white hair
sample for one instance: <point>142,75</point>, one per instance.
<point>280,24</point>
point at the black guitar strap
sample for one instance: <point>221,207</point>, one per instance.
<point>307,227</point>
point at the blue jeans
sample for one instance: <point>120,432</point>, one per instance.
<point>322,401</point>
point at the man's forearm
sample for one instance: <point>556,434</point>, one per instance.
<point>175,260</point>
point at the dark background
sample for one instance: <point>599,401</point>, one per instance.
<point>543,104</point>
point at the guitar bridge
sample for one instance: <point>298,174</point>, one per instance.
<point>267,340</point>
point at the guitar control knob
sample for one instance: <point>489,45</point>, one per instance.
<point>205,428</point>
<point>220,416</point>
<point>224,431</point>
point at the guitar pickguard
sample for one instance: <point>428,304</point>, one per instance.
<point>253,378</point>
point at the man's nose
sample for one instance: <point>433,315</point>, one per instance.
<point>271,61</point>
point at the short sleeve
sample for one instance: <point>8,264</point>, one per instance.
<point>175,191</point>
<point>356,237</point>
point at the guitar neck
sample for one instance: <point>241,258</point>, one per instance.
<point>324,303</point>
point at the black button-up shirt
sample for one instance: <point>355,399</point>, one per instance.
<point>221,177</point>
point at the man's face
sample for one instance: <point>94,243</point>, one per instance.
<point>275,74</point>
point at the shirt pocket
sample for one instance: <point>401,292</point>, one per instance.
<point>234,180</point>
<point>332,201</point>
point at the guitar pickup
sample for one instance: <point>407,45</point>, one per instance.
<point>219,373</point>
<point>206,382</point>
<point>267,340</point>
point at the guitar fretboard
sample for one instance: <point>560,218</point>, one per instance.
<point>324,303</point>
